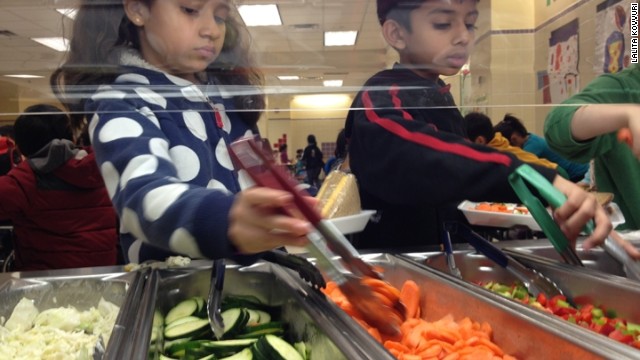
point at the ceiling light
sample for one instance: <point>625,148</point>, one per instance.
<point>260,15</point>
<point>332,83</point>
<point>340,38</point>
<point>24,76</point>
<point>70,13</point>
<point>56,43</point>
<point>289,77</point>
<point>322,101</point>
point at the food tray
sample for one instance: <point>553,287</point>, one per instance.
<point>591,287</point>
<point>352,223</point>
<point>519,331</point>
<point>496,219</point>
<point>306,312</point>
<point>80,288</point>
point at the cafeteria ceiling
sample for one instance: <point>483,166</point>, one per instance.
<point>294,48</point>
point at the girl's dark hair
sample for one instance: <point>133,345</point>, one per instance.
<point>101,28</point>
<point>38,125</point>
<point>509,125</point>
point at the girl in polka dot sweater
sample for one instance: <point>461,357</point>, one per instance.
<point>162,87</point>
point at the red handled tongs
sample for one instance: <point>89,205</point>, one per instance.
<point>325,241</point>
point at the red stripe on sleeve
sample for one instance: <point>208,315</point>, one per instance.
<point>397,103</point>
<point>428,140</point>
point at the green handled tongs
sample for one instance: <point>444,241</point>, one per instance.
<point>551,229</point>
<point>526,174</point>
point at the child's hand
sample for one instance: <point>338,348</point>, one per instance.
<point>630,249</point>
<point>631,134</point>
<point>257,223</point>
<point>579,208</point>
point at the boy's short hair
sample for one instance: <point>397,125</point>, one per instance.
<point>384,7</point>
<point>38,126</point>
<point>398,10</point>
<point>478,124</point>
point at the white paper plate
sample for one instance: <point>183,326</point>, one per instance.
<point>494,218</point>
<point>346,224</point>
<point>352,223</point>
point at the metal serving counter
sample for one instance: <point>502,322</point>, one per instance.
<point>521,331</point>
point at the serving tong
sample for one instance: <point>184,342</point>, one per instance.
<point>534,281</point>
<point>214,299</point>
<point>555,198</point>
<point>325,240</point>
<point>448,251</point>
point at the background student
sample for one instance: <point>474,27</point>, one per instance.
<point>513,129</point>
<point>56,200</point>
<point>480,131</point>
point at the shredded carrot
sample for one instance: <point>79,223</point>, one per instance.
<point>443,339</point>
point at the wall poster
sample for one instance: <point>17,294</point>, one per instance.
<point>612,36</point>
<point>562,66</point>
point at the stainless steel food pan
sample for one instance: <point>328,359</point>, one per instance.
<point>519,330</point>
<point>80,288</point>
<point>619,295</point>
<point>308,314</point>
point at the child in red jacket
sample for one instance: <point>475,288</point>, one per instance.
<point>56,200</point>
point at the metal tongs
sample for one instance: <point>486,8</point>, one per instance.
<point>533,280</point>
<point>555,198</point>
<point>448,251</point>
<point>214,299</point>
<point>539,212</point>
<point>324,240</point>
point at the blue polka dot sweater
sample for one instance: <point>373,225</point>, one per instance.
<point>161,145</point>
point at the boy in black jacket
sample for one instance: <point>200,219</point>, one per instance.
<point>407,142</point>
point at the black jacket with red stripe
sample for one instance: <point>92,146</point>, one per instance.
<point>414,164</point>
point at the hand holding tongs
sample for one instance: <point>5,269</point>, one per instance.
<point>539,212</point>
<point>534,281</point>
<point>556,199</point>
<point>248,155</point>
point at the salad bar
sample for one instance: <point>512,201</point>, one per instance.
<point>269,312</point>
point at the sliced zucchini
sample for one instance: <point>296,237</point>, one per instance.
<point>258,354</point>
<point>208,357</point>
<point>202,309</point>
<point>245,354</point>
<point>243,301</point>
<point>235,320</point>
<point>258,333</point>
<point>158,319</point>
<point>167,344</point>
<point>275,328</point>
<point>276,348</point>
<point>265,317</point>
<point>188,307</point>
<point>254,317</point>
<point>228,347</point>
<point>193,329</point>
<point>179,349</point>
<point>302,348</point>
<point>182,320</point>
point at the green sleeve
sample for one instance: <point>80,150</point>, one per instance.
<point>606,89</point>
